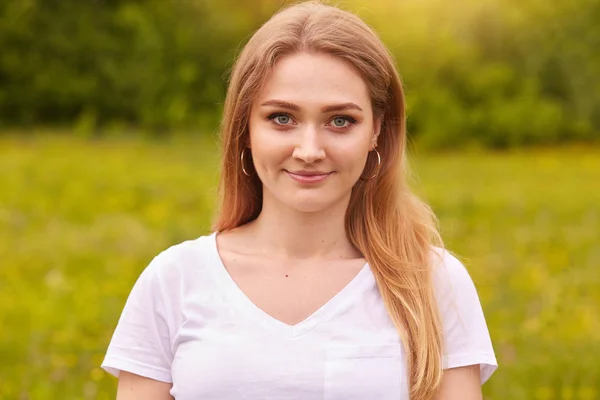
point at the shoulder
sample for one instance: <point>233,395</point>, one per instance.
<point>181,261</point>
<point>454,288</point>
<point>449,273</point>
<point>186,251</point>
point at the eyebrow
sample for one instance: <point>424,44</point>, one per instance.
<point>294,107</point>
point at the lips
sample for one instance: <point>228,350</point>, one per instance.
<point>308,176</point>
<point>308,173</point>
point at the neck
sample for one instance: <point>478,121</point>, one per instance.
<point>290,233</point>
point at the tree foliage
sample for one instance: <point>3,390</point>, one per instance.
<point>482,72</point>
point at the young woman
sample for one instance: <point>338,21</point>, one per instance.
<point>325,277</point>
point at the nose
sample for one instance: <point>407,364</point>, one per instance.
<point>309,148</point>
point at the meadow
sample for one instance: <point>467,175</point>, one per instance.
<point>80,219</point>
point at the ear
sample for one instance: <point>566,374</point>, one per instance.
<point>377,125</point>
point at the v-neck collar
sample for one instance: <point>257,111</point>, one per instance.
<point>241,301</point>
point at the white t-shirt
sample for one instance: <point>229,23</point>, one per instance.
<point>187,322</point>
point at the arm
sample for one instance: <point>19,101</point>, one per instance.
<point>139,353</point>
<point>461,383</point>
<point>469,358</point>
<point>133,387</point>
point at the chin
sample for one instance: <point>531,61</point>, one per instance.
<point>310,203</point>
<point>308,207</point>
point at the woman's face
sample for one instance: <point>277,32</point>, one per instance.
<point>311,129</point>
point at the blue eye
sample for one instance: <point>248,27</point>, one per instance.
<point>283,119</point>
<point>340,122</point>
<point>280,119</point>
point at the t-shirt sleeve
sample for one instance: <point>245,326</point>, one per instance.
<point>467,339</point>
<point>141,341</point>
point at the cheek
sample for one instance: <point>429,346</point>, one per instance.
<point>350,156</point>
<point>269,154</point>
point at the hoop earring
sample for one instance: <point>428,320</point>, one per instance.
<point>242,160</point>
<point>378,167</point>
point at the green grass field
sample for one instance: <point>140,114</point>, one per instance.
<point>79,220</point>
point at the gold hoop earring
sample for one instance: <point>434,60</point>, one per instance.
<point>378,167</point>
<point>242,160</point>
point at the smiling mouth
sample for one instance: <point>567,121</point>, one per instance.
<point>308,177</point>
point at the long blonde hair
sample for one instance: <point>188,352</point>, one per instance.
<point>385,221</point>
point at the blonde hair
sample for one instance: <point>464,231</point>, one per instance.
<point>394,230</point>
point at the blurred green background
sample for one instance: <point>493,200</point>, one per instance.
<point>108,118</point>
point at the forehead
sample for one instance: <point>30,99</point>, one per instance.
<point>315,79</point>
